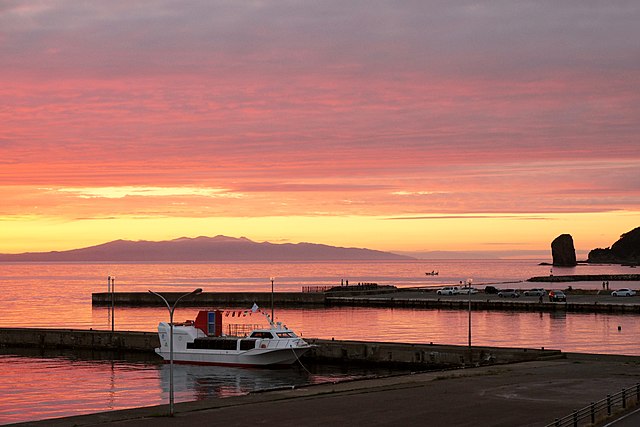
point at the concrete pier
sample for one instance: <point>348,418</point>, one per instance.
<point>425,356</point>
<point>579,301</point>
<point>82,339</point>
<point>210,299</point>
<point>490,303</point>
<point>422,355</point>
<point>586,278</point>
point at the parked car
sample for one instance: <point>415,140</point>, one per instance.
<point>465,291</point>
<point>448,290</point>
<point>624,292</point>
<point>557,296</point>
<point>535,292</point>
<point>509,293</point>
<point>491,290</point>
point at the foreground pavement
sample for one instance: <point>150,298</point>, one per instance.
<point>523,394</point>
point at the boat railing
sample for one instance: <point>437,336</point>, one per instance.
<point>316,288</point>
<point>241,329</point>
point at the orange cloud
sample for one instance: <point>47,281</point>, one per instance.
<point>324,110</point>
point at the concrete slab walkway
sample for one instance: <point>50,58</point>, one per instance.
<point>523,394</point>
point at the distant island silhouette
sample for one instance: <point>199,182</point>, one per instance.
<point>218,248</point>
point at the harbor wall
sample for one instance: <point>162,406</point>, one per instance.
<point>209,299</point>
<point>387,300</point>
<point>488,304</point>
<point>586,278</point>
<point>79,339</point>
<point>425,355</point>
<point>375,353</point>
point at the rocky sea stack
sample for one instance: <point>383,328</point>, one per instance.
<point>563,251</point>
<point>625,251</point>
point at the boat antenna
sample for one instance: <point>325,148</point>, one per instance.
<point>272,280</point>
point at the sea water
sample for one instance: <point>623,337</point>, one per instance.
<point>38,385</point>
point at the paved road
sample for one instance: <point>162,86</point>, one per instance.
<point>524,394</point>
<point>632,419</point>
<point>589,298</point>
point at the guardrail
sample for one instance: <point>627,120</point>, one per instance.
<point>316,288</point>
<point>597,410</point>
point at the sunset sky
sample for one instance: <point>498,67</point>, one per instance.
<point>408,126</point>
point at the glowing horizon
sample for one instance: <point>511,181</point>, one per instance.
<point>456,127</point>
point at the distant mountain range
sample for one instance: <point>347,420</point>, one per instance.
<point>219,248</point>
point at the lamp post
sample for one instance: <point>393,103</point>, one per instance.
<point>171,310</point>
<point>469,282</point>
<point>113,302</point>
<point>272,279</point>
<point>109,294</point>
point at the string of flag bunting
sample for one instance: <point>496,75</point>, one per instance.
<point>242,313</point>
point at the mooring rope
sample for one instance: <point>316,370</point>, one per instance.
<point>299,361</point>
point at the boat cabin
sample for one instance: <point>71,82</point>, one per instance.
<point>219,343</point>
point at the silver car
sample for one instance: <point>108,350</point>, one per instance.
<point>509,293</point>
<point>535,292</point>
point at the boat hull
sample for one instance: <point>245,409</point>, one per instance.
<point>253,357</point>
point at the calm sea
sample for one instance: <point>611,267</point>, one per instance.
<point>37,385</point>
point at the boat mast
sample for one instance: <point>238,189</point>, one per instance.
<point>272,318</point>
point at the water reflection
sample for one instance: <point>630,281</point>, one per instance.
<point>44,384</point>
<point>38,384</point>
<point>195,382</point>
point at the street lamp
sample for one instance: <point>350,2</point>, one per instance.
<point>272,279</point>
<point>171,310</point>
<point>112,289</point>
<point>469,282</point>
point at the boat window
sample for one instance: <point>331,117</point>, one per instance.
<point>286,334</point>
<point>261,334</point>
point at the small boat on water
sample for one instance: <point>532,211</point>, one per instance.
<point>202,342</point>
<point>433,273</point>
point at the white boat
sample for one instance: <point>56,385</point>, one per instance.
<point>202,342</point>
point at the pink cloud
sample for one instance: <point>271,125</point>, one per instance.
<point>480,108</point>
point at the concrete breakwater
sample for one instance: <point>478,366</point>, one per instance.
<point>79,339</point>
<point>209,299</point>
<point>428,356</point>
<point>482,304</point>
<point>421,355</point>
<point>586,278</point>
<point>579,301</point>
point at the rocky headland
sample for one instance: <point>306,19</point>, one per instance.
<point>625,251</point>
